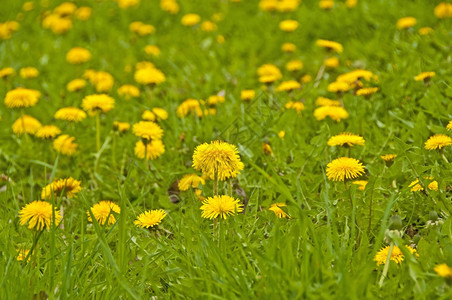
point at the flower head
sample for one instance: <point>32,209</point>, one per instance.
<point>47,132</point>
<point>190,180</point>
<point>322,101</point>
<point>150,218</point>
<point>76,85</point>
<point>276,208</point>
<point>39,215</point>
<point>69,186</point>
<point>190,20</point>
<point>71,114</point>
<point>28,72</point>
<point>222,206</point>
<point>5,72</point>
<point>336,113</point>
<point>121,126</point>
<point>344,168</point>
<point>148,130</point>
<point>366,91</point>
<point>443,270</point>
<point>330,45</point>
<point>361,184</point>
<point>151,150</point>
<point>217,159</point>
<point>298,106</point>
<point>268,73</point>
<point>94,104</point>
<point>78,55</point>
<point>406,22</point>
<point>129,91</point>
<point>396,255</point>
<point>388,157</point>
<point>64,144</point>
<point>346,139</point>
<point>149,76</point>
<point>438,141</point>
<point>26,124</point>
<point>247,95</point>
<point>104,212</point>
<point>288,25</point>
<point>424,76</point>
<point>21,97</point>
<point>288,86</point>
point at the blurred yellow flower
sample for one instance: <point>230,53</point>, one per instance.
<point>388,157</point>
<point>151,150</point>
<point>361,184</point>
<point>276,208</point>
<point>366,91</point>
<point>190,20</point>
<point>288,25</point>
<point>78,55</point>
<point>288,47</point>
<point>298,106</point>
<point>47,132</point>
<point>326,4</point>
<point>443,270</point>
<point>336,113</point>
<point>149,76</point>
<point>268,73</point>
<point>147,130</point>
<point>190,180</point>
<point>396,255</point>
<point>71,114</point>
<point>98,103</point>
<point>5,72</point>
<point>208,26</point>
<point>294,65</point>
<point>121,126</point>
<point>331,62</point>
<point>170,6</point>
<point>330,45</point>
<point>65,145</point>
<point>141,29</point>
<point>322,101</point>
<point>288,86</point>
<point>424,76</point>
<point>26,124</point>
<point>28,72</point>
<point>68,186</point>
<point>21,97</point>
<point>247,95</point>
<point>152,50</point>
<point>128,91</point>
<point>76,85</point>
<point>406,22</point>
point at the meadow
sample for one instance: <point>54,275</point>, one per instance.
<point>225,149</point>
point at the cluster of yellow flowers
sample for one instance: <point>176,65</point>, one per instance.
<point>60,20</point>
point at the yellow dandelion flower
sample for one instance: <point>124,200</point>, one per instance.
<point>443,10</point>
<point>298,106</point>
<point>160,113</point>
<point>267,149</point>
<point>425,30</point>
<point>276,208</point>
<point>5,72</point>
<point>190,20</point>
<point>98,103</point>
<point>141,29</point>
<point>331,62</point>
<point>281,134</point>
<point>21,97</point>
<point>322,101</point>
<point>351,3</point>
<point>28,72</point>
<point>326,4</point>
<point>288,25</point>
<point>424,76</point>
<point>222,206</point>
<point>65,9</point>
<point>83,13</point>
<point>170,6</point>
<point>330,45</point>
<point>438,141</point>
<point>78,55</point>
<point>147,130</point>
<point>443,270</point>
<point>415,186</point>
<point>152,50</point>
<point>396,255</point>
<point>39,215</point>
<point>346,139</point>
<point>208,26</point>
<point>71,114</point>
<point>247,95</point>
<point>189,106</point>
<point>26,124</point>
<point>288,86</point>
<point>215,99</point>
<point>433,186</point>
<point>361,184</point>
<point>127,3</point>
<point>150,218</point>
<point>344,168</point>
<point>148,115</point>
<point>104,212</point>
<point>339,87</point>
<point>65,145</point>
<point>217,159</point>
<point>294,65</point>
<point>151,150</point>
<point>388,157</point>
<point>47,132</point>
<point>190,180</point>
<point>68,186</point>
<point>149,76</point>
<point>128,91</point>
<point>76,85</point>
<point>121,126</point>
<point>22,254</point>
<point>268,73</point>
<point>449,125</point>
<point>336,113</point>
<point>288,47</point>
<point>406,22</point>
<point>366,91</point>
<point>103,81</point>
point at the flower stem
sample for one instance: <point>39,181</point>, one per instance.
<point>215,185</point>
<point>98,131</point>
<point>386,268</point>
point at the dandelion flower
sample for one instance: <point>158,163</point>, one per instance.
<point>22,254</point>
<point>217,159</point>
<point>322,101</point>
<point>276,208</point>
<point>98,103</point>
<point>26,124</point>
<point>449,125</point>
<point>208,26</point>
<point>47,132</point>
<point>326,4</point>
<point>39,215</point>
<point>406,22</point>
<point>190,20</point>
<point>288,25</point>
<point>5,72</point>
<point>339,87</point>
<point>415,186</point>
<point>154,149</point>
<point>189,106</point>
<point>268,73</point>
<point>78,55</point>
<point>64,144</point>
<point>361,184</point>
<point>396,255</point>
<point>69,186</point>
<point>388,157</point>
<point>336,113</point>
<point>247,95</point>
<point>443,10</point>
<point>21,97</point>
<point>190,180</point>
<point>104,212</point>
<point>424,76</point>
<point>148,115</point>
<point>121,126</point>
<point>331,62</point>
<point>443,270</point>
<point>281,134</point>
<point>288,86</point>
<point>433,186</point>
<point>298,106</point>
<point>366,91</point>
<point>346,139</point>
<point>160,113</point>
<point>71,114</point>
<point>152,50</point>
<point>129,91</point>
<point>28,72</point>
<point>330,45</point>
<point>344,168</point>
<point>149,76</point>
<point>288,47</point>
<point>438,141</point>
<point>425,30</point>
<point>147,130</point>
<point>76,85</point>
<point>222,206</point>
<point>150,218</point>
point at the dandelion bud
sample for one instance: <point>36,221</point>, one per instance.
<point>395,223</point>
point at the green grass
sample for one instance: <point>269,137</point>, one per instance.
<point>326,250</point>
